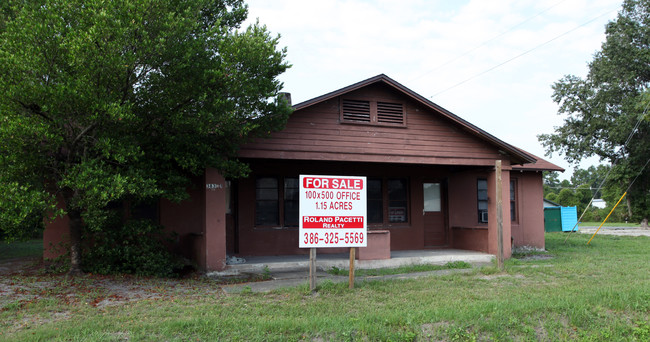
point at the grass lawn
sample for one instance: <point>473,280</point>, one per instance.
<point>401,269</point>
<point>599,292</point>
<point>32,248</point>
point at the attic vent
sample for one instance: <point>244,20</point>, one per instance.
<point>356,110</point>
<point>390,113</point>
<point>372,112</point>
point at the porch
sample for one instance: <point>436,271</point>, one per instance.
<point>324,262</point>
<point>293,270</point>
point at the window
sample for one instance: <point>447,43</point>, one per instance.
<point>266,202</point>
<point>375,208</point>
<point>372,112</point>
<point>397,200</point>
<point>387,200</point>
<point>513,200</point>
<point>269,209</point>
<point>482,199</point>
<point>291,195</point>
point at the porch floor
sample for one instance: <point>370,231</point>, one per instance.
<point>324,262</point>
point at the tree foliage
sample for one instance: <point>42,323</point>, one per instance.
<point>604,108</point>
<point>582,187</point>
<point>105,100</point>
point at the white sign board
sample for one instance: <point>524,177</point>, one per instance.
<point>332,211</point>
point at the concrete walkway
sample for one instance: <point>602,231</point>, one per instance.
<point>620,231</point>
<point>293,270</point>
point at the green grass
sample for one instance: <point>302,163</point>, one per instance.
<point>400,270</point>
<point>32,248</point>
<point>609,224</point>
<point>598,292</point>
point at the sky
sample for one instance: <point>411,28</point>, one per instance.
<point>491,62</point>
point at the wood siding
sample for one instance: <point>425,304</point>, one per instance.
<point>316,133</point>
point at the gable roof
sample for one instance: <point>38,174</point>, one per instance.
<point>517,155</point>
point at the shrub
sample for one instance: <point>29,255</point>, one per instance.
<point>133,247</point>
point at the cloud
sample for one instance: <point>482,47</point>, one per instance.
<point>445,47</point>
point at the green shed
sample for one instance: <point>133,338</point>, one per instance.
<point>560,219</point>
<point>552,219</point>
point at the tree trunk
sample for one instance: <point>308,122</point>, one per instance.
<point>75,241</point>
<point>644,223</point>
<point>629,208</point>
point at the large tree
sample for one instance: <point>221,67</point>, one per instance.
<point>603,108</point>
<point>104,100</point>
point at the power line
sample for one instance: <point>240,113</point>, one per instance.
<point>629,138</point>
<point>485,42</point>
<point>522,54</point>
<point>571,187</point>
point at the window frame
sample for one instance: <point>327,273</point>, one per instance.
<point>514,200</point>
<point>373,112</point>
<point>385,204</point>
<point>479,201</point>
<point>281,207</point>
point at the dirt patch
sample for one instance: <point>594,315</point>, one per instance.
<point>20,266</point>
<point>430,331</point>
<point>24,281</point>
<point>501,275</point>
<point>535,257</point>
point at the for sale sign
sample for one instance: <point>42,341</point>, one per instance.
<point>332,211</point>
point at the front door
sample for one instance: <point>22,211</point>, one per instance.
<point>435,233</point>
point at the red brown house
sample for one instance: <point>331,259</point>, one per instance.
<point>431,180</point>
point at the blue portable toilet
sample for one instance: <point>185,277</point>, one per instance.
<point>569,217</point>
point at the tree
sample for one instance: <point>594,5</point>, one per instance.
<point>592,177</point>
<point>567,198</point>
<point>605,107</point>
<point>551,183</point>
<point>106,100</point>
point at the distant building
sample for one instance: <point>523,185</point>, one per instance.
<point>599,203</point>
<point>550,204</point>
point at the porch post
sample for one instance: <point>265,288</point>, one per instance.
<point>505,215</point>
<point>214,222</point>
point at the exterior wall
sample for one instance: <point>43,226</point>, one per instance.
<point>315,133</point>
<point>529,229</point>
<point>460,206</point>
<point>466,231</point>
<point>200,222</point>
<point>56,236</point>
<point>284,240</point>
<point>185,220</point>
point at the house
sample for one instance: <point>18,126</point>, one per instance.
<point>599,203</point>
<point>431,180</point>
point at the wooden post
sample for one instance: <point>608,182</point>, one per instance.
<point>499,198</point>
<point>352,257</point>
<point>312,269</point>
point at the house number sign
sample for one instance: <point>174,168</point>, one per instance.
<point>213,186</point>
<point>332,211</point>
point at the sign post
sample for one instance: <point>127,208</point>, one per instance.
<point>332,214</point>
<point>351,280</point>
